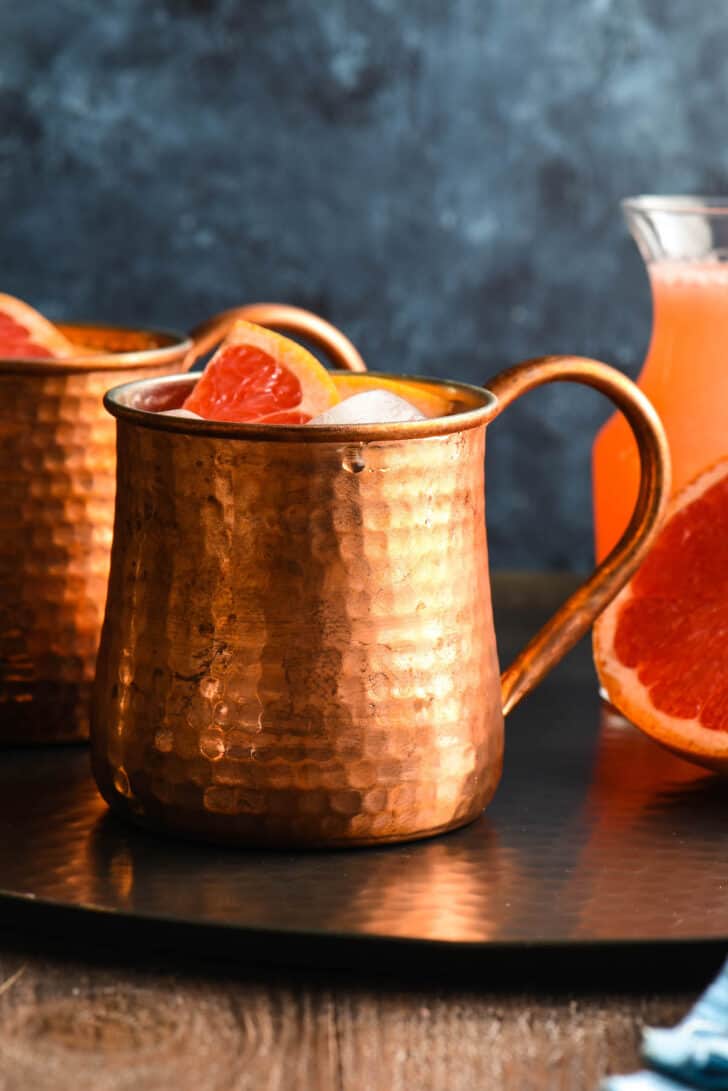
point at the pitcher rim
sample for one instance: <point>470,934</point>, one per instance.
<point>678,204</point>
<point>472,417</point>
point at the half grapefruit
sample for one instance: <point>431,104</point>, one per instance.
<point>661,647</point>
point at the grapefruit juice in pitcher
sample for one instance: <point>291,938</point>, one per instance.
<point>684,241</point>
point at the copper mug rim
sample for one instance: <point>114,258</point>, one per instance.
<point>167,346</point>
<point>479,406</point>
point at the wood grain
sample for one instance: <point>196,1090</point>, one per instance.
<point>69,1025</point>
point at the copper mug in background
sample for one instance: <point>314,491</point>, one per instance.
<point>57,484</point>
<point>298,646</point>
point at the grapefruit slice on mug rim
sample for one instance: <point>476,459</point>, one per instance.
<point>27,335</point>
<point>259,376</point>
<point>661,647</point>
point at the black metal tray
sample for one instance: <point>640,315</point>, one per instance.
<point>596,836</point>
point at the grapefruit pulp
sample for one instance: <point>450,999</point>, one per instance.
<point>661,647</point>
<point>259,376</point>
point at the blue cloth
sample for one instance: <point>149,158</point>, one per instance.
<point>642,1081</point>
<point>696,1050</point>
<point>694,1054</point>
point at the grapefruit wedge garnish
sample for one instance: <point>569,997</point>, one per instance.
<point>27,335</point>
<point>259,376</point>
<point>661,648</point>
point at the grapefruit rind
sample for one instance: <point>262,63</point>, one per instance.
<point>687,738</point>
<point>318,391</point>
<point>41,331</point>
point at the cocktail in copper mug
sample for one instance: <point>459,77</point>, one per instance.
<point>298,646</point>
<point>57,483</point>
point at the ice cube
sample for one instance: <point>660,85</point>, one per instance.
<point>180,413</point>
<point>371,407</point>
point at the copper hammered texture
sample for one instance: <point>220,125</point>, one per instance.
<point>298,646</point>
<point>57,484</point>
<point>596,834</point>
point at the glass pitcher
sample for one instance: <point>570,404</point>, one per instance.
<point>684,242</point>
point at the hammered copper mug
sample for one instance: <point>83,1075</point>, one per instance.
<point>57,482</point>
<point>298,646</point>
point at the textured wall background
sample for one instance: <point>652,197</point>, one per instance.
<point>440,178</point>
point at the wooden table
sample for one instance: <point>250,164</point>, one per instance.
<point>76,1016</point>
<point>68,1023</point>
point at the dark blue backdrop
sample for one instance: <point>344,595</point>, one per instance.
<point>440,178</point>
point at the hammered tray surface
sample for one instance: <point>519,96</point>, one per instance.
<point>595,835</point>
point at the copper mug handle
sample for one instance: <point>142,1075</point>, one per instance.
<point>280,316</point>
<point>580,611</point>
